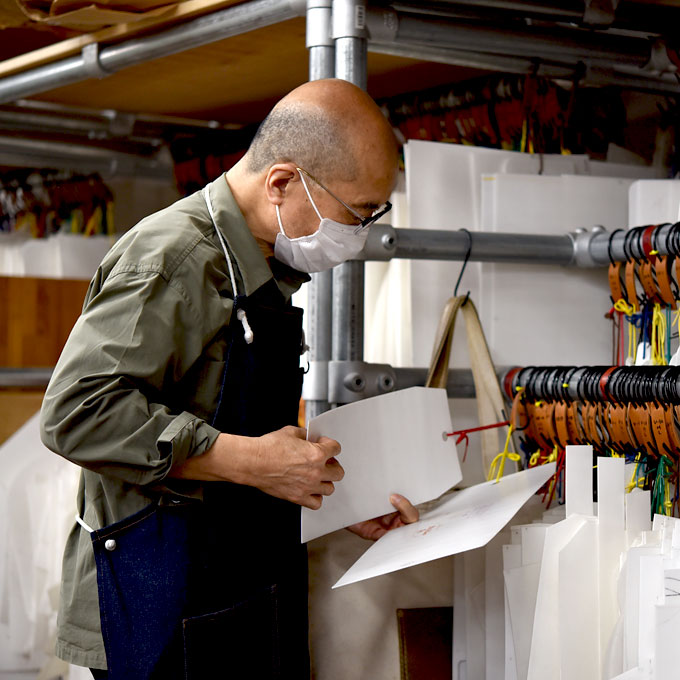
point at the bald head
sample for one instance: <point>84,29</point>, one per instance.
<point>330,128</point>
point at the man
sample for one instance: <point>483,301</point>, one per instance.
<point>176,393</point>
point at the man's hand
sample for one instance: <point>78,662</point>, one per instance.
<point>373,529</point>
<point>282,463</point>
<point>288,466</point>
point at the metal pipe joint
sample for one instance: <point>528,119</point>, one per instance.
<point>349,19</point>
<point>319,23</point>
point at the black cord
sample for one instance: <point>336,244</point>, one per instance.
<point>462,270</point>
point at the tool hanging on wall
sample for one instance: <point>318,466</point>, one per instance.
<point>40,203</point>
<point>631,412</point>
<point>516,113</point>
<point>644,291</point>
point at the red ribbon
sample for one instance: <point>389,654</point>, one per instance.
<point>463,434</point>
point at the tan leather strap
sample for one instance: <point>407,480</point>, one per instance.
<point>561,423</point>
<point>615,282</point>
<point>631,290</point>
<point>490,407</point>
<point>663,266</point>
<point>647,281</point>
<point>660,430</point>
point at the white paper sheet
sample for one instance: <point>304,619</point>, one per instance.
<point>667,633</point>
<point>521,586</point>
<point>638,506</point>
<point>611,540</point>
<point>578,604</point>
<point>459,643</point>
<point>651,589</point>
<point>393,443</point>
<point>579,480</point>
<point>494,604</point>
<point>468,519</point>
<point>544,661</point>
<point>512,559</point>
<point>631,621</point>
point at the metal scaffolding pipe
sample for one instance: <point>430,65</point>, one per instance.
<point>31,153</point>
<point>349,34</point>
<point>94,63</point>
<point>320,289</point>
<point>555,44</point>
<point>470,59</point>
<point>636,78</point>
<point>25,378</point>
<point>648,18</point>
<point>460,383</point>
<point>581,248</point>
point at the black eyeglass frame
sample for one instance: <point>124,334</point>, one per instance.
<point>364,222</point>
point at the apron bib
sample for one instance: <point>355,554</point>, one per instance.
<point>217,588</point>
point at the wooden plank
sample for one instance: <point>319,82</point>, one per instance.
<point>66,48</point>
<point>36,317</point>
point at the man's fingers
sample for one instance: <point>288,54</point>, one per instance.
<point>330,446</point>
<point>334,472</point>
<point>298,432</point>
<point>327,488</point>
<point>407,512</point>
<point>313,502</point>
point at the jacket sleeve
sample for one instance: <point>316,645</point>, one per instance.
<point>106,405</point>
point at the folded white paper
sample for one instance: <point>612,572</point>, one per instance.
<point>465,520</point>
<point>394,443</point>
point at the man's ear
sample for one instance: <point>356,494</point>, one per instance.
<point>277,180</point>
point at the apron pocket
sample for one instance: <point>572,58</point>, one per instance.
<point>238,642</point>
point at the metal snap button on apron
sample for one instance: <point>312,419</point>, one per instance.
<point>110,544</point>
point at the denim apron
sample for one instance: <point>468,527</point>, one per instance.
<point>217,588</point>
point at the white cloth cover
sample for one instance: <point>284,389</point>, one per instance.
<point>37,492</point>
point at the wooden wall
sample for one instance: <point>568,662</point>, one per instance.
<point>36,316</point>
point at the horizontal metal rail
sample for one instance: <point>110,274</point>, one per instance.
<point>34,153</point>
<point>460,384</point>
<point>581,248</point>
<point>33,378</point>
<point>95,63</point>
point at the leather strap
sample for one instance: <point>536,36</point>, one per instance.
<point>615,282</point>
<point>647,281</point>
<point>543,420</point>
<point>490,407</point>
<point>659,430</point>
<point>663,267</point>
<point>573,424</point>
<point>672,430</point>
<point>631,291</point>
<point>561,423</point>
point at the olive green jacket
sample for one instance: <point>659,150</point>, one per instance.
<point>138,380</point>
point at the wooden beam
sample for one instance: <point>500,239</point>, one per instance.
<point>181,11</point>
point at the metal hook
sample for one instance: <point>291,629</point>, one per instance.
<point>462,270</point>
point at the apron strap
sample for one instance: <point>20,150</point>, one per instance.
<point>241,313</point>
<point>87,527</point>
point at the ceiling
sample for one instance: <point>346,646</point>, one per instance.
<point>232,81</point>
<point>236,81</point>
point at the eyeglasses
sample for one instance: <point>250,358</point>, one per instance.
<point>363,222</point>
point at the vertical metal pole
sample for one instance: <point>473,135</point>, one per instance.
<point>320,300</point>
<point>349,32</point>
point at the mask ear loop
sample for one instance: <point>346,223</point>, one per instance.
<point>240,313</point>
<point>309,195</point>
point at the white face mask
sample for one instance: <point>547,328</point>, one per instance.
<point>331,244</point>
